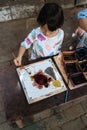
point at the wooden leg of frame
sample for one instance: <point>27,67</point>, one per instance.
<point>19,123</point>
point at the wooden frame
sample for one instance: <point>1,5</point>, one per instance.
<point>32,92</point>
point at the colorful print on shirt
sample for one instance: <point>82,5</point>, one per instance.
<point>42,45</point>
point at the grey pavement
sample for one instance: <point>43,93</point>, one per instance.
<point>68,116</point>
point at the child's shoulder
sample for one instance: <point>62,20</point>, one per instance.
<point>37,29</point>
<point>34,31</point>
<point>61,31</point>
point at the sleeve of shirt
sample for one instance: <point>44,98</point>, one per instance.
<point>83,40</point>
<point>59,46</point>
<point>29,39</point>
<point>62,37</point>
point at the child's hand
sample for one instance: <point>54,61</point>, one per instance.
<point>79,31</point>
<point>17,61</point>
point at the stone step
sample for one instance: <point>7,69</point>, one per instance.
<point>18,10</point>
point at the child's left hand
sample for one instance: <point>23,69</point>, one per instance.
<point>79,31</point>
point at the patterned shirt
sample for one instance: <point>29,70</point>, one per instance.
<point>42,45</point>
<point>82,41</point>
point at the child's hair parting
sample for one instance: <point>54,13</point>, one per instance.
<point>52,15</point>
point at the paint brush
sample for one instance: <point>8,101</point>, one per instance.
<point>15,57</point>
<point>21,67</point>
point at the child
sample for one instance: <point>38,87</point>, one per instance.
<point>46,39</point>
<point>81,31</point>
<point>82,18</point>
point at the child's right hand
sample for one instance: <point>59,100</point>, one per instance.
<point>17,61</point>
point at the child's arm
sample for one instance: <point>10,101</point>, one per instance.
<point>18,59</point>
<point>28,41</point>
<point>79,31</point>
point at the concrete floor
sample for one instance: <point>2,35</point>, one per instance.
<point>69,116</point>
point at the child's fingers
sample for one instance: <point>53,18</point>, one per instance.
<point>17,62</point>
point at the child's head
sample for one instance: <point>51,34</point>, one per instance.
<point>82,19</point>
<point>51,14</point>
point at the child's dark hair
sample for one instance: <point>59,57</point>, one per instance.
<point>52,15</point>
